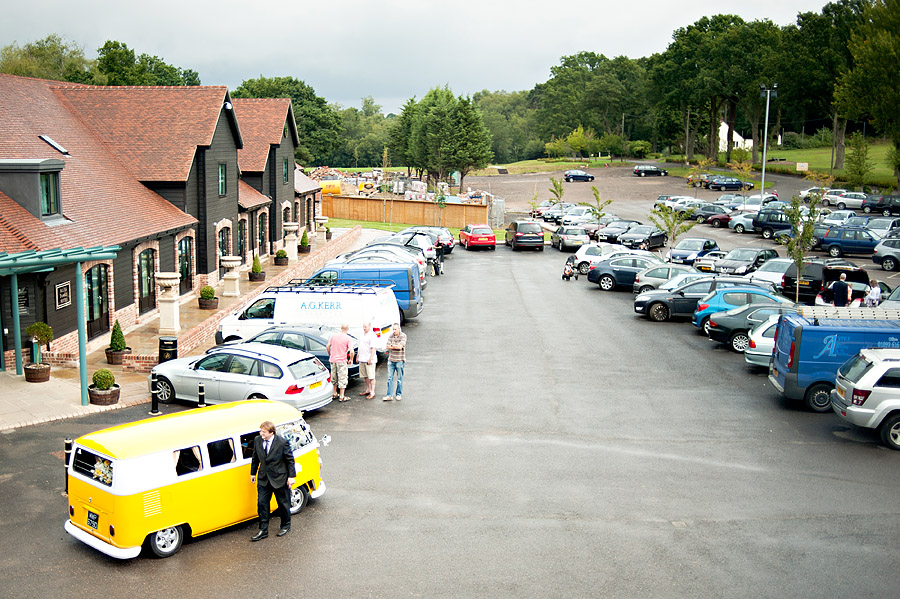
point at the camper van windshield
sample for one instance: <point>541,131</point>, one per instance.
<point>93,466</point>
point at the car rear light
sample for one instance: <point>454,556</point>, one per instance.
<point>592,267</point>
<point>637,279</point>
<point>294,390</point>
<point>752,344</point>
<point>71,510</point>
<point>702,307</point>
<point>860,396</point>
<point>712,323</point>
<point>791,356</point>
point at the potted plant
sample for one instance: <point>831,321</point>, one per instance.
<point>38,372</point>
<point>256,271</point>
<point>104,391</point>
<point>304,243</point>
<point>327,233</point>
<point>117,348</point>
<point>281,258</point>
<point>208,299</point>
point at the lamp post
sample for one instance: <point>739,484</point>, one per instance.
<point>765,92</point>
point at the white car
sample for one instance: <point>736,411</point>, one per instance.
<point>848,199</point>
<point>838,218</point>
<point>762,342</point>
<point>673,200</point>
<point>594,253</point>
<point>830,197</point>
<point>578,215</point>
<point>806,193</point>
<point>771,271</point>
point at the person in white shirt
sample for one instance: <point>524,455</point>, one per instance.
<point>368,358</point>
<point>873,294</point>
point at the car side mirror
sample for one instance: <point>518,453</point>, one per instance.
<point>681,293</point>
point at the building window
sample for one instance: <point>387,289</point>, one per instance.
<point>284,171</point>
<point>263,232</point>
<point>222,179</point>
<point>49,194</point>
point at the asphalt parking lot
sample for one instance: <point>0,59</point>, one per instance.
<point>549,444</point>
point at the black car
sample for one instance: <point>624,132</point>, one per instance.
<point>524,234</point>
<point>740,261</point>
<point>733,326</point>
<point>646,170</point>
<point>701,213</point>
<point>770,222</point>
<point>661,305</point>
<point>728,183</point>
<point>647,236</point>
<point>577,175</point>
<point>818,274</point>
<point>610,233</point>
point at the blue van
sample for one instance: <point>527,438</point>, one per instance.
<point>812,345</point>
<point>403,278</point>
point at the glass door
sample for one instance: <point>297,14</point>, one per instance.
<point>184,266</point>
<point>146,282</point>
<point>95,281</point>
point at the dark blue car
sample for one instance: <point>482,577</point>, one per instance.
<point>620,271</point>
<point>689,249</point>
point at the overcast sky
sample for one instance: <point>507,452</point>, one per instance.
<point>389,49</point>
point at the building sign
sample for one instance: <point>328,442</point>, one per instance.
<point>802,167</point>
<point>23,300</point>
<point>63,295</point>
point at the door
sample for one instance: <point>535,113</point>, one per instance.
<point>95,281</point>
<point>146,282</point>
<point>242,240</point>
<point>222,247</point>
<point>184,266</point>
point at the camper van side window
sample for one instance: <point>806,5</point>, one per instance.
<point>220,452</point>
<point>247,440</point>
<point>187,460</point>
<point>264,308</point>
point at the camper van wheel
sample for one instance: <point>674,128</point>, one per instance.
<point>818,398</point>
<point>165,392</point>
<point>299,499</point>
<point>166,542</point>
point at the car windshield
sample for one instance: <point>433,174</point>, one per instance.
<point>306,367</point>
<point>575,231</point>
<point>774,266</point>
<point>690,244</point>
<point>642,230</point>
<point>530,228</point>
<point>618,224</point>
<point>854,368</point>
<point>482,231</point>
<point>741,254</point>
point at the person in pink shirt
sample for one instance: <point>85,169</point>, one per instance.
<point>340,355</point>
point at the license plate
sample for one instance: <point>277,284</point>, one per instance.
<point>804,283</point>
<point>316,384</point>
<point>576,242</point>
<point>93,520</point>
<point>482,239</point>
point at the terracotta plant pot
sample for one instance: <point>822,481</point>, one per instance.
<point>208,304</point>
<point>115,357</point>
<point>257,276</point>
<point>103,398</point>
<point>37,373</point>
<point>303,249</point>
<point>281,261</point>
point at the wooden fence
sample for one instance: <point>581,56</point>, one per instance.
<point>413,212</point>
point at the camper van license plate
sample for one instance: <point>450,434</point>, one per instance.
<point>316,384</point>
<point>93,520</point>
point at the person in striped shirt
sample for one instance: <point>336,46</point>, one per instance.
<point>396,345</point>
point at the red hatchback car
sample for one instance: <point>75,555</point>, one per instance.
<point>473,236</point>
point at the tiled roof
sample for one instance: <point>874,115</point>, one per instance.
<point>262,125</point>
<point>249,198</point>
<point>302,183</point>
<point>100,197</point>
<point>155,131</point>
<point>16,224</point>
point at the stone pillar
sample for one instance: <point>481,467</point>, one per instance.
<point>169,317</point>
<point>290,240</point>
<point>232,277</point>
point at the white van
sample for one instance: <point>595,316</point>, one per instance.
<point>324,305</point>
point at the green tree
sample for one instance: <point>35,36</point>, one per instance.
<point>597,205</point>
<point>432,130</point>
<point>49,58</point>
<point>797,245</point>
<point>613,144</point>
<point>857,166</point>
<point>673,222</point>
<point>120,66</point>
<point>557,191</point>
<point>400,135</point>
<point>318,123</point>
<point>470,139</point>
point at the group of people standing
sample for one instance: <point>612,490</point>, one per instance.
<point>843,293</point>
<point>341,356</point>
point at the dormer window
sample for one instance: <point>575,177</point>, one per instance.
<point>223,180</point>
<point>285,174</point>
<point>49,194</point>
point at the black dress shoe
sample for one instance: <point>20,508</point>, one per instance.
<point>283,532</point>
<point>263,534</point>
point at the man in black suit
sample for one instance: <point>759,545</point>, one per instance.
<point>273,465</point>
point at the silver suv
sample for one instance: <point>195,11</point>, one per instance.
<point>867,392</point>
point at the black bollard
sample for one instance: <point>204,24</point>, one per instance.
<point>201,395</point>
<point>154,395</point>
<point>67,444</point>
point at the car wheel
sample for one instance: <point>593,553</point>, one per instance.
<point>165,392</point>
<point>842,206</point>
<point>704,326</point>
<point>890,431</point>
<point>834,251</point>
<point>646,288</point>
<point>783,239</point>
<point>299,499</point>
<point>867,209</point>
<point>466,245</point>
<point>739,228</point>
<point>697,184</point>
<point>259,395</point>
<point>818,397</point>
<point>584,268</point>
<point>643,174</point>
<point>659,312</point>
<point>740,342</point>
<point>568,180</point>
<point>825,202</point>
<point>886,212</point>
<point>701,219</point>
<point>607,283</point>
<point>493,247</point>
<point>888,264</point>
<point>165,542</point>
<point>768,233</point>
<point>716,224</point>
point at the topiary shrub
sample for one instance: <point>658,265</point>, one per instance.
<point>256,268</point>
<point>117,338</point>
<point>281,254</point>
<point>103,379</point>
<point>206,293</point>
<point>41,332</point>
<point>305,239</point>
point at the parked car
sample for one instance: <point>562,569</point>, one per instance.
<point>702,213</point>
<point>673,201</point>
<point>726,183</point>
<point>838,218</point>
<point>577,175</point>
<point>726,199</point>
<point>644,237</point>
<point>611,232</point>
<point>708,262</point>
<point>654,276</point>
<point>598,223</point>
<point>831,198</point>
<point>682,279</point>
<point>753,203</point>
<point>882,226</point>
<point>771,223</point>
<point>443,235</point>
<point>645,170</point>
<point>594,254</point>
<point>663,304</point>
<point>742,222</point>
<point>689,249</point>
<point>761,342</point>
<point>805,194</point>
<point>699,179</point>
<point>726,299</point>
<point>867,393</point>
<point>887,253</point>
<point>848,240</point>
<point>619,271</point>
<point>688,205</point>
<point>732,327</point>
<point>567,238</point>
<point>718,221</point>
<point>740,261</point>
<point>247,371</point>
<point>772,271</point>
<point>817,274</point>
<point>888,205</point>
<point>577,215</point>
<point>540,208</point>
<point>555,212</point>
<point>475,236</point>
<point>524,234</point>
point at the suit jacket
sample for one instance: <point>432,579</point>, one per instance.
<point>275,467</point>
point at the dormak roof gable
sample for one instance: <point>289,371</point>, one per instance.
<point>263,122</point>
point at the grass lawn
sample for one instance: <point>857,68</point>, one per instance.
<point>343,223</point>
<point>819,159</point>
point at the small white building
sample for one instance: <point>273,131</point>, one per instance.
<point>737,142</point>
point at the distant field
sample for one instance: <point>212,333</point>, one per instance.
<point>819,159</point>
<point>342,223</point>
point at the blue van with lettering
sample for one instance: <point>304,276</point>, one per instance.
<point>811,346</point>
<point>402,277</point>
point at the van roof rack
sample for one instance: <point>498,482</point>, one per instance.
<point>861,313</point>
<point>345,283</point>
<point>298,288</point>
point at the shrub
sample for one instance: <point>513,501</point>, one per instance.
<point>256,268</point>
<point>305,239</point>
<point>40,332</point>
<point>103,379</point>
<point>207,293</point>
<point>327,230</point>
<point>117,338</point>
<point>791,141</point>
<point>281,254</point>
<point>639,148</point>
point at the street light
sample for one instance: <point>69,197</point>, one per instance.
<point>765,92</point>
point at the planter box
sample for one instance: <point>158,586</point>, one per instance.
<point>257,276</point>
<point>208,304</point>
<point>281,261</point>
<point>115,357</point>
<point>37,373</point>
<point>103,398</point>
<point>303,249</point>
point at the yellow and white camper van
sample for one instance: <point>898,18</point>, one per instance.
<point>154,481</point>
